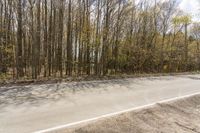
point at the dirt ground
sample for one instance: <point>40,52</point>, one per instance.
<point>181,116</point>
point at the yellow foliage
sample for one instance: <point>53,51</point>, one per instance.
<point>182,20</point>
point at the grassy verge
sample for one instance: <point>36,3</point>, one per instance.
<point>8,81</point>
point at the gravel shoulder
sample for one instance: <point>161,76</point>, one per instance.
<point>181,116</point>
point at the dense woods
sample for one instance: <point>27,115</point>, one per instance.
<point>60,38</point>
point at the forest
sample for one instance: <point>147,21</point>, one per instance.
<point>65,38</point>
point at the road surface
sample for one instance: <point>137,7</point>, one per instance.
<point>25,109</point>
<point>180,115</point>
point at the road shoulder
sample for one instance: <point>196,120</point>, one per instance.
<point>176,116</point>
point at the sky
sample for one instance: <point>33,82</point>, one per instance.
<point>192,7</point>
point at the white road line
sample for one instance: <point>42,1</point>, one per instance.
<point>112,114</point>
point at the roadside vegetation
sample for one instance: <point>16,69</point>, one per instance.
<point>49,39</point>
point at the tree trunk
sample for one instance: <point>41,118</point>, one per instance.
<point>20,71</point>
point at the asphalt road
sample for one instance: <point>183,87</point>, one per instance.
<point>25,109</point>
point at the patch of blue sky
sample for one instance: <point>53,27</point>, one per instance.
<point>191,7</point>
